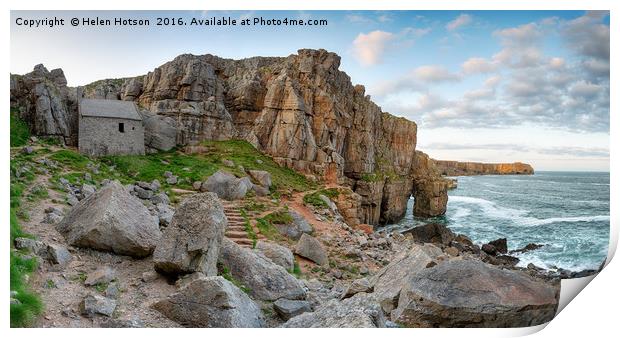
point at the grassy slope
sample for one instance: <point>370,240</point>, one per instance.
<point>201,166</point>
<point>21,266</point>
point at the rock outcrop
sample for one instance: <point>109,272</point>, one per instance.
<point>191,243</point>
<point>46,103</point>
<point>469,293</point>
<point>359,311</point>
<point>111,220</point>
<point>264,279</point>
<point>211,302</point>
<point>455,168</point>
<point>301,110</point>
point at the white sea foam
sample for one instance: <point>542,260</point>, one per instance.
<point>489,208</point>
<point>537,222</point>
<point>461,212</point>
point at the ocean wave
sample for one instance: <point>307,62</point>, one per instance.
<point>490,208</point>
<point>545,221</point>
<point>461,212</point>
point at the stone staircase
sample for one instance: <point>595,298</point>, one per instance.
<point>236,225</point>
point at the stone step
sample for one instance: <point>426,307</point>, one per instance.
<point>235,228</point>
<point>236,234</point>
<point>235,218</point>
<point>243,241</point>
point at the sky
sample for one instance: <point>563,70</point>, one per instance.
<point>487,86</point>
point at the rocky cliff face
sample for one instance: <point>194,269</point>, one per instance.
<point>301,110</point>
<point>46,103</point>
<point>455,168</point>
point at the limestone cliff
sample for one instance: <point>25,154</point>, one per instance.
<point>301,110</point>
<point>455,168</point>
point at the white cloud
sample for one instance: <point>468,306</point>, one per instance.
<point>369,48</point>
<point>358,18</point>
<point>460,21</point>
<point>478,66</point>
<point>434,74</point>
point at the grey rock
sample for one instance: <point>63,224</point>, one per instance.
<point>165,214</point>
<point>310,248</point>
<point>227,186</point>
<point>27,150</point>
<point>192,240</point>
<point>211,302</point>
<point>296,228</point>
<point>262,177</point>
<point>72,200</point>
<point>388,282</point>
<point>160,132</point>
<point>265,279</point>
<point>160,198</point>
<point>58,254</point>
<point>143,193</point>
<point>155,185</point>
<point>123,323</point>
<point>277,253</point>
<point>470,293</point>
<point>259,190</point>
<point>102,275</point>
<point>196,185</point>
<point>287,309</point>
<point>168,174</point>
<point>228,163</point>
<point>92,305</point>
<point>112,291</point>
<point>357,286</point>
<point>359,311</point>
<point>111,220</point>
<point>87,190</point>
<point>330,204</point>
<point>36,247</point>
<point>172,180</point>
<point>149,276</point>
<point>54,210</point>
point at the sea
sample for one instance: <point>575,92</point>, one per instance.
<point>567,212</point>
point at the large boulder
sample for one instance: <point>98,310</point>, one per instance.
<point>262,177</point>
<point>388,282</point>
<point>359,311</point>
<point>277,253</point>
<point>111,220</point>
<point>160,132</point>
<point>191,243</point>
<point>310,248</point>
<point>227,186</point>
<point>287,309</point>
<point>469,293</point>
<point>211,302</point>
<point>434,233</point>
<point>296,227</point>
<point>264,279</point>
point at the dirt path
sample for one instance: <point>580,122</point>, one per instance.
<point>62,289</point>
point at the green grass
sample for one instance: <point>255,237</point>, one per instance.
<point>279,217</point>
<point>19,131</point>
<point>314,199</point>
<point>224,271</point>
<point>25,313</point>
<point>101,287</point>
<point>254,206</point>
<point>296,270</point>
<point>71,159</point>
<point>268,230</point>
<point>201,166</point>
<point>248,228</point>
